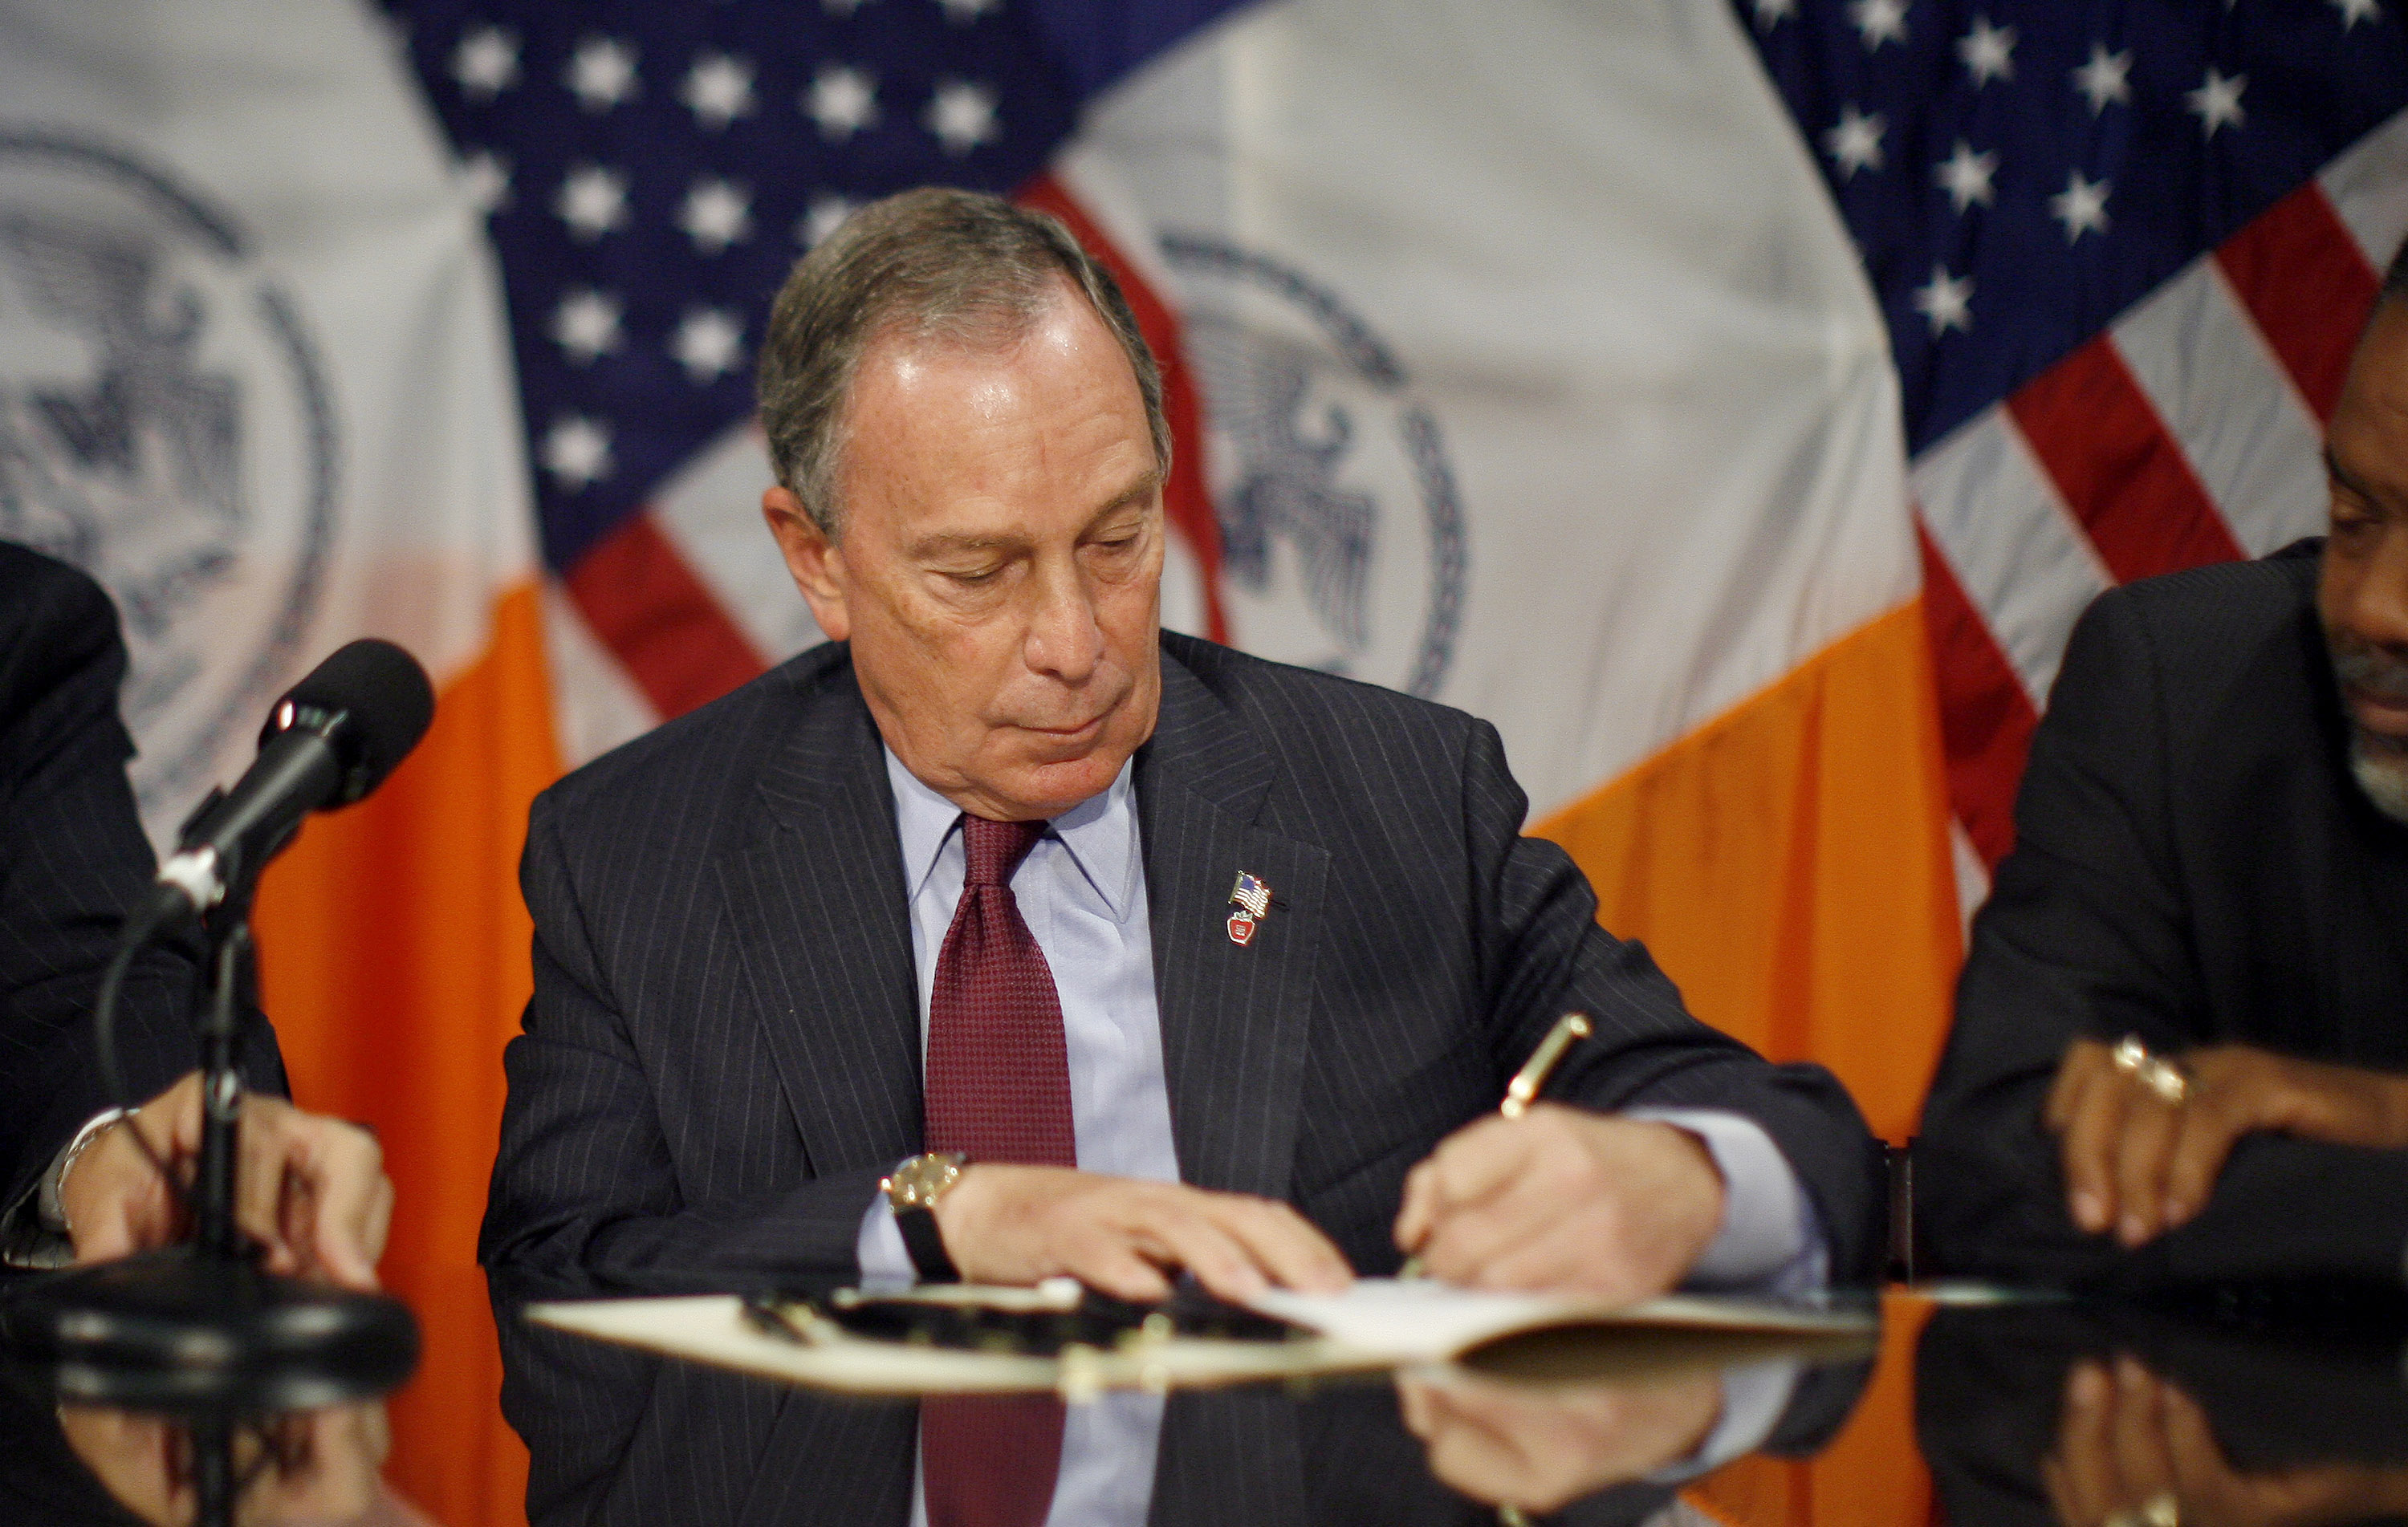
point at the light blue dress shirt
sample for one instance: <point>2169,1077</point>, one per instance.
<point>1082,891</point>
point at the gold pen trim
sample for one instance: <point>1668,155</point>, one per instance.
<point>1524,1089</point>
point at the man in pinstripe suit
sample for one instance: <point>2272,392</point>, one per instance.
<point>740,916</point>
<point>756,1045</point>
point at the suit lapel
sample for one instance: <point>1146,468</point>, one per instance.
<point>816,894</point>
<point>1234,1017</point>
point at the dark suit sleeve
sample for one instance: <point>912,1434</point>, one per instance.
<point>1543,954</point>
<point>2085,936</point>
<point>72,859</point>
<point>585,1177</point>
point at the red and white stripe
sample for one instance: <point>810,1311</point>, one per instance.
<point>2188,432</point>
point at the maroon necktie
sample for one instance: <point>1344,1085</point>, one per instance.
<point>998,1087</point>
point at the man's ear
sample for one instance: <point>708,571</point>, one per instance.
<point>816,565</point>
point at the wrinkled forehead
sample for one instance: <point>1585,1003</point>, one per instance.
<point>1049,427</point>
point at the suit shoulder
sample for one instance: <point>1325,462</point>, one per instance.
<point>2172,657</point>
<point>2203,617</point>
<point>55,624</point>
<point>52,602</point>
<point>709,750</point>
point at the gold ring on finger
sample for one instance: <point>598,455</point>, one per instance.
<point>2130,1055</point>
<point>2170,1083</point>
<point>2161,1510</point>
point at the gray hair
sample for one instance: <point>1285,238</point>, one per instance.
<point>955,266</point>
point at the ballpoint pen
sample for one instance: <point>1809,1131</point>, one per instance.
<point>1524,1089</point>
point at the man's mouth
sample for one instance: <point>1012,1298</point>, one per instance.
<point>2374,687</point>
<point>2380,717</point>
<point>1070,733</point>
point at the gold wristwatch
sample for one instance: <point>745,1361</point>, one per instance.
<point>911,1190</point>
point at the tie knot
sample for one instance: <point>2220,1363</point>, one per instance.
<point>992,850</point>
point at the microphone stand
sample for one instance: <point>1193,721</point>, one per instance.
<point>215,1232</point>
<point>199,1329</point>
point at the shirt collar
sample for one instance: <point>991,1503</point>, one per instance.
<point>1098,831</point>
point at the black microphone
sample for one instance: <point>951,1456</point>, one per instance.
<point>332,739</point>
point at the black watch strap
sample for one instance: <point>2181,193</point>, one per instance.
<point>926,1245</point>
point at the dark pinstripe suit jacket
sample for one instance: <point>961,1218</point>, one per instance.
<point>723,1053</point>
<point>72,859</point>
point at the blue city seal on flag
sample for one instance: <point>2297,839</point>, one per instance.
<point>1343,543</point>
<point>164,426</point>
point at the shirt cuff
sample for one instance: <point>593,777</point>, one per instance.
<point>34,1231</point>
<point>1754,1398</point>
<point>1770,1240</point>
<point>885,1261</point>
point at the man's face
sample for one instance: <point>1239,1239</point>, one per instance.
<point>2362,592</point>
<point>999,566</point>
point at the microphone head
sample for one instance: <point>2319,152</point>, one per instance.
<point>371,701</point>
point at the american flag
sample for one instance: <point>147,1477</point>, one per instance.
<point>2124,251</point>
<point>652,172</point>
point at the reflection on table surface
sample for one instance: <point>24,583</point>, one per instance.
<point>70,1462</point>
<point>2217,1412</point>
<point>2099,1416</point>
<point>622,1435</point>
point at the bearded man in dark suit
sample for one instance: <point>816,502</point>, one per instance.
<point>2183,1021</point>
<point>1156,955</point>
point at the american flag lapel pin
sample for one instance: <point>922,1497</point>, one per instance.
<point>1249,902</point>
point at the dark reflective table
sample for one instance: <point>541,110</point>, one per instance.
<point>2204,1411</point>
<point>65,1461</point>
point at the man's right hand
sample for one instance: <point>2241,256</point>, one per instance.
<point>1539,1447</point>
<point>1022,1224</point>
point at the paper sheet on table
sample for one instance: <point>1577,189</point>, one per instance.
<point>1376,1324</point>
<point>713,1329</point>
<point>1423,1320</point>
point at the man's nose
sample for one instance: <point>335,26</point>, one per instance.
<point>2378,605</point>
<point>1064,638</point>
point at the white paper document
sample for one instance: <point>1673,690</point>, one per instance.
<point>1375,1324</point>
<point>1423,1320</point>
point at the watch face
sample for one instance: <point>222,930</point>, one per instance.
<point>921,1179</point>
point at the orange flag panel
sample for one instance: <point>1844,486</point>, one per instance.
<point>393,960</point>
<point>1788,864</point>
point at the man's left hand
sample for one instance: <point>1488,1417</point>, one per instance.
<point>2139,1164</point>
<point>1563,1200</point>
